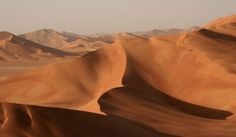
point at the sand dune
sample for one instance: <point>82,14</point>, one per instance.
<point>154,109</point>
<point>23,120</point>
<point>68,85</point>
<point>15,48</point>
<point>226,25</point>
<point>47,37</point>
<point>175,85</point>
<point>84,46</point>
<point>190,63</point>
<point>65,41</point>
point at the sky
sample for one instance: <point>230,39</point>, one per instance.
<point>106,16</point>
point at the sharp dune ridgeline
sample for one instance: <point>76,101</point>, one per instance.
<point>173,85</point>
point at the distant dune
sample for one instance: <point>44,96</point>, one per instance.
<point>47,37</point>
<point>171,85</point>
<point>16,48</point>
<point>66,41</point>
<point>82,44</point>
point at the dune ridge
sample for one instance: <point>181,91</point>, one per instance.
<point>71,84</point>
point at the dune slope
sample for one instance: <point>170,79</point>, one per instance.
<point>71,84</point>
<point>24,120</point>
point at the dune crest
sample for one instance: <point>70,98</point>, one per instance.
<point>226,25</point>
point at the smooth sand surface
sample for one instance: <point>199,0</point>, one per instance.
<point>176,85</point>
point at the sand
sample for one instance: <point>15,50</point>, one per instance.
<point>174,85</point>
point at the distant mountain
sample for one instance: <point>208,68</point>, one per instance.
<point>160,32</point>
<point>155,32</point>
<point>16,48</point>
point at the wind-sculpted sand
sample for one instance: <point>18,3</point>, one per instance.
<point>177,85</point>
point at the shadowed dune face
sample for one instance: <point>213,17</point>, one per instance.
<point>148,106</point>
<point>32,121</point>
<point>166,115</point>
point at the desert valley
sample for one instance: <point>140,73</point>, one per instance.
<point>160,83</point>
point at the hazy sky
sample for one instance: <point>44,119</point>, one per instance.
<point>95,16</point>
